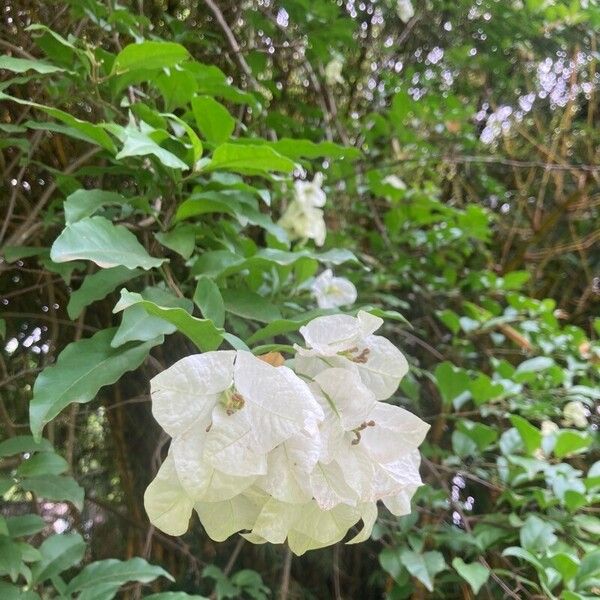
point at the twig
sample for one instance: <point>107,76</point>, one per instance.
<point>235,47</point>
<point>236,552</point>
<point>336,572</point>
<point>284,588</point>
<point>17,50</point>
<point>21,235</point>
<point>37,136</point>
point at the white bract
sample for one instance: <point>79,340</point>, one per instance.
<point>331,292</point>
<point>333,71</point>
<point>405,10</point>
<point>303,218</point>
<point>575,413</point>
<point>347,342</point>
<point>278,454</point>
<point>395,182</point>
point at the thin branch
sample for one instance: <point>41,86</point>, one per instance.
<point>25,230</point>
<point>284,588</point>
<point>16,49</point>
<point>337,590</point>
<point>235,47</point>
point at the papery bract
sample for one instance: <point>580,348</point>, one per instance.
<point>347,342</point>
<point>331,292</point>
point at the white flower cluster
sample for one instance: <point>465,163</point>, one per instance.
<point>303,218</point>
<point>331,292</point>
<point>280,454</point>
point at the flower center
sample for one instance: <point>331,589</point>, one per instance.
<point>333,290</point>
<point>355,356</point>
<point>360,428</point>
<point>232,400</point>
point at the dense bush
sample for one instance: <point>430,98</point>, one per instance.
<point>150,152</point>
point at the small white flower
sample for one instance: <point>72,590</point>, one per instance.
<point>303,217</point>
<point>333,71</point>
<point>347,342</point>
<point>309,194</point>
<point>405,10</point>
<point>395,182</point>
<point>332,292</point>
<point>548,428</point>
<point>304,223</point>
<point>575,413</point>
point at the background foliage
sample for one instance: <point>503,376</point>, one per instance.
<point>161,169</point>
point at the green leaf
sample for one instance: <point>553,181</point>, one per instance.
<point>84,203</point>
<point>213,119</point>
<point>181,239</point>
<point>389,559</point>
<point>10,558</point>
<point>24,525</point>
<point>223,262</point>
<point>82,368</point>
<point>149,55</point>
<point>14,253</point>
<point>423,566</point>
<point>484,389</point>
<point>515,280</point>
<point>2,329</point>
<point>90,132</point>
<point>55,487</point>
<point>525,555</point>
<point>536,536</point>
<point>475,574</point>
<point>97,286</point>
<point>249,305</point>
<point>13,592</point>
<point>6,483</point>
<point>22,65</point>
<point>59,553</point>
<point>176,87</point>
<point>195,142</point>
<point>248,160</point>
<point>588,523</point>
<point>450,319</point>
<point>102,579</point>
<point>202,332</point>
<point>98,240</point>
<point>482,435</point>
<point>208,299</point>
<point>138,325</point>
<point>452,381</point>
<point>589,569</point>
<point>139,143</point>
<point>570,441</point>
<point>282,326</point>
<point>566,564</point>
<point>230,203</point>
<point>295,149</point>
<point>23,443</point>
<point>531,436</point>
<point>462,444</point>
<point>44,463</point>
